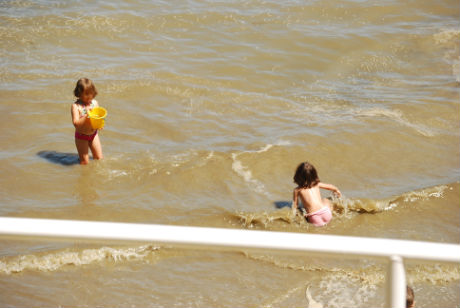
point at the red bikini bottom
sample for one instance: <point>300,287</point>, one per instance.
<point>85,137</point>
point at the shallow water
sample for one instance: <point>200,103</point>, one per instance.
<point>211,106</point>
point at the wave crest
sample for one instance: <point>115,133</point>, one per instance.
<point>56,260</point>
<point>343,207</point>
<point>372,274</point>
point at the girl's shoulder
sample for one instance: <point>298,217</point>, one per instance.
<point>303,188</point>
<point>76,105</point>
<point>299,189</point>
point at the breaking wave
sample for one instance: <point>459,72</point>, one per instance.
<point>56,260</point>
<point>343,207</point>
<point>436,274</point>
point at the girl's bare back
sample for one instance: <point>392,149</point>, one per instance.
<point>311,199</point>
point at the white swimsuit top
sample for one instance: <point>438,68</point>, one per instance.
<point>82,109</point>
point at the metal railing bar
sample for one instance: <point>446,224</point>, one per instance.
<point>230,238</point>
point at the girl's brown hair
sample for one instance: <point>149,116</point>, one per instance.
<point>306,175</point>
<point>84,85</point>
<point>409,297</point>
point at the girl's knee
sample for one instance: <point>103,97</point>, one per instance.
<point>84,159</point>
<point>97,153</point>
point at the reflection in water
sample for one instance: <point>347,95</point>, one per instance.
<point>85,191</point>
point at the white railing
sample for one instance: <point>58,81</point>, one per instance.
<point>394,250</point>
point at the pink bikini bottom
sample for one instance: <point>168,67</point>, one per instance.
<point>320,217</point>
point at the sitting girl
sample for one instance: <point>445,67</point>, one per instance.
<point>319,210</point>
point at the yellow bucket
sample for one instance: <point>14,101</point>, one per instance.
<point>97,116</point>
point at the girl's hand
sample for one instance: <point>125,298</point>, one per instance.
<point>337,193</point>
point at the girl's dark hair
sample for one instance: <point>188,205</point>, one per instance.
<point>84,85</point>
<point>306,175</point>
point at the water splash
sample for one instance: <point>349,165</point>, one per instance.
<point>263,219</point>
<point>343,207</point>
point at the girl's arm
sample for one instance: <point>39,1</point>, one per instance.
<point>76,119</point>
<point>331,188</point>
<point>294,201</point>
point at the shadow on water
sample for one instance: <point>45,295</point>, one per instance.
<point>66,159</point>
<point>282,204</point>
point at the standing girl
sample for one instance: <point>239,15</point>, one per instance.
<point>319,210</point>
<point>86,136</point>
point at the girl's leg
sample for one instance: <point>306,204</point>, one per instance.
<point>96,147</point>
<point>82,148</point>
